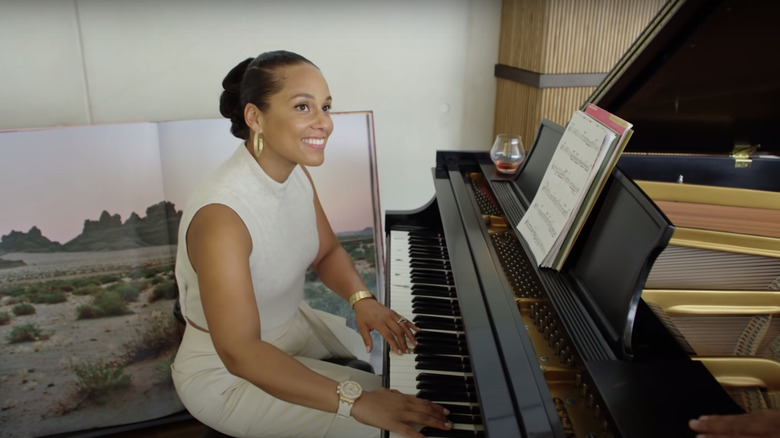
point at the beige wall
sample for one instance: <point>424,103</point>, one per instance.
<point>424,67</point>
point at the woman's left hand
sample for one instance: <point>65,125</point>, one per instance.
<point>395,328</point>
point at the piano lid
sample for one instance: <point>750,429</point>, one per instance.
<point>701,79</point>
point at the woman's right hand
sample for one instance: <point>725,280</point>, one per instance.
<point>390,410</point>
<point>761,424</point>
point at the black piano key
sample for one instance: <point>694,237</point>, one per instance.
<point>432,348</point>
<point>447,396</point>
<point>442,366</point>
<point>434,299</point>
<point>425,349</point>
<point>452,347</point>
<point>431,337</point>
<point>427,241</point>
<point>430,263</point>
<point>440,391</point>
<point>441,275</point>
<point>427,234</point>
<point>426,322</point>
<point>470,410</point>
<point>432,259</point>
<point>430,239</point>
<point>436,310</point>
<point>427,252</point>
<point>429,363</point>
<point>445,378</point>
<point>439,388</point>
<point>434,291</point>
<point>452,433</point>
<point>445,340</point>
<point>432,283</point>
<point>442,358</point>
<point>440,302</point>
<point>449,320</point>
<point>429,278</point>
<point>465,419</point>
<point>428,259</point>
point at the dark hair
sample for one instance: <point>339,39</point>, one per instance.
<point>253,80</point>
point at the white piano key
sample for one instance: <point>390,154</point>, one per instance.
<point>402,371</point>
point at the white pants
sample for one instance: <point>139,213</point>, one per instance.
<point>238,408</point>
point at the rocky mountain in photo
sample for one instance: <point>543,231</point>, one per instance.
<point>158,227</point>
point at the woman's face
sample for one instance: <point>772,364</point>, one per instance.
<point>297,123</point>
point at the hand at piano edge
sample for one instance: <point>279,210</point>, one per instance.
<point>390,409</point>
<point>765,423</point>
<point>395,328</point>
<point>396,412</point>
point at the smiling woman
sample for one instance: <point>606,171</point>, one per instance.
<point>254,357</point>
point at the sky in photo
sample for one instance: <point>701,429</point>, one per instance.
<point>57,178</point>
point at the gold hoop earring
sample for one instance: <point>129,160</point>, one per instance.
<point>257,143</point>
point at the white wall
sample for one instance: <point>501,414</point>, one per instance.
<point>424,67</point>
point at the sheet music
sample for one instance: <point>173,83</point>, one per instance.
<point>623,130</point>
<point>572,169</point>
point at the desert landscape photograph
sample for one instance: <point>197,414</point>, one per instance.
<point>88,327</point>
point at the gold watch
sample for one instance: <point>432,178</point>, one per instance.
<point>348,391</point>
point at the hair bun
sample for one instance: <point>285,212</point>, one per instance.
<point>232,81</point>
<point>230,100</point>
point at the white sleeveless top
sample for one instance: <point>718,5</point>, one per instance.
<point>282,223</point>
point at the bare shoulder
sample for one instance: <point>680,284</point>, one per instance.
<point>216,227</point>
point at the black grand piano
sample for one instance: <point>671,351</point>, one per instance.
<point>514,350</point>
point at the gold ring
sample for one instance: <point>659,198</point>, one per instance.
<point>402,320</point>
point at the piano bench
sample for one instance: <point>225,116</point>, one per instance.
<point>213,433</point>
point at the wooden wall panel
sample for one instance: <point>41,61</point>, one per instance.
<point>523,33</point>
<point>520,108</point>
<point>558,37</point>
<point>515,109</point>
<point>589,36</point>
<point>558,104</point>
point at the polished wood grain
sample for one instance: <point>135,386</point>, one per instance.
<point>745,220</point>
<point>560,37</point>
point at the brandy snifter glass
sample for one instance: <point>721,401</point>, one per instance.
<point>507,153</point>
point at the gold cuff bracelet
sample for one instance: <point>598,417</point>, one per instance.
<point>359,295</point>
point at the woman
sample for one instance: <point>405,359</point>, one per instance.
<point>250,360</point>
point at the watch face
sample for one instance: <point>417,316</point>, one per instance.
<point>350,389</point>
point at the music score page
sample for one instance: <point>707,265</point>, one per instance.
<point>575,163</point>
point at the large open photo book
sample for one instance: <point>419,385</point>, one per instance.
<point>88,237</point>
<point>583,159</point>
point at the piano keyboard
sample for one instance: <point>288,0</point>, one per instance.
<point>439,369</point>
